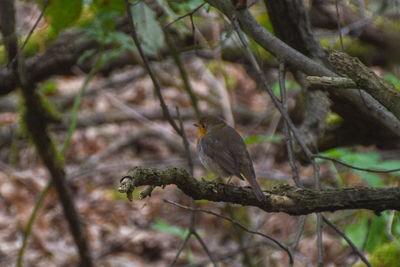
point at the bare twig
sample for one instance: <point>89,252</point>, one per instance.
<point>337,82</point>
<point>319,241</point>
<point>182,71</point>
<point>338,25</point>
<point>36,118</point>
<point>157,86</point>
<point>187,14</point>
<point>354,167</point>
<point>209,254</point>
<point>277,243</point>
<point>167,115</point>
<point>389,228</point>
<point>354,247</point>
<point>288,137</point>
<point>302,222</point>
<point>180,249</point>
<point>31,220</point>
<point>34,26</point>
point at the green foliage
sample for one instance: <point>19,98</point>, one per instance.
<point>289,85</point>
<point>378,241</point>
<point>257,139</point>
<point>63,13</point>
<point>163,226</point>
<point>377,235</point>
<point>333,118</point>
<point>387,255</point>
<point>148,28</point>
<point>182,7</point>
<point>49,88</point>
<point>108,5</point>
<point>102,29</point>
<point>393,79</point>
<point>369,160</point>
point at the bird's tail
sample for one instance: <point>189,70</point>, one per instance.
<point>256,189</point>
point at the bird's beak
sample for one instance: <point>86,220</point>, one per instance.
<point>195,124</point>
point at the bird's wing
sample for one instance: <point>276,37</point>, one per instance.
<point>217,151</point>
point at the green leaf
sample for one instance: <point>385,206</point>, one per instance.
<point>289,85</point>
<point>371,179</point>
<point>393,79</point>
<point>257,139</point>
<point>357,232</point>
<point>377,235</point>
<point>108,5</point>
<point>149,30</point>
<point>387,255</point>
<point>163,226</point>
<point>62,13</point>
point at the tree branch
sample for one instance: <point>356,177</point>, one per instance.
<point>291,200</point>
<point>300,62</point>
<point>379,88</point>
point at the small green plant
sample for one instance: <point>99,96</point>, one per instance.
<point>370,160</point>
<point>257,139</point>
<point>165,227</point>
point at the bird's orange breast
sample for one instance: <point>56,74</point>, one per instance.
<point>202,131</point>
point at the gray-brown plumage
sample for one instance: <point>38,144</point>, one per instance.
<point>222,151</point>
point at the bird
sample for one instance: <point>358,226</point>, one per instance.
<point>222,151</point>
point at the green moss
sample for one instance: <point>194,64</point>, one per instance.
<point>49,88</point>
<point>387,255</point>
<point>38,41</point>
<point>3,55</point>
<point>333,118</point>
<point>48,112</point>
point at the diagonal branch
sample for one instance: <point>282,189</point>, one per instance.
<point>291,200</point>
<point>300,62</point>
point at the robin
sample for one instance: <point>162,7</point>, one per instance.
<point>222,151</point>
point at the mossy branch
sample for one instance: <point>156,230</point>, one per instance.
<point>365,78</point>
<point>288,199</point>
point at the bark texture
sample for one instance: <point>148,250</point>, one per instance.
<point>291,200</point>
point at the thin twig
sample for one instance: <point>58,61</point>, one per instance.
<point>288,137</point>
<point>338,25</point>
<point>65,145</point>
<point>237,224</point>
<point>298,233</point>
<point>342,234</point>
<point>182,71</point>
<point>185,143</point>
<point>183,16</point>
<point>166,112</point>
<point>319,240</point>
<point>157,86</point>
<point>389,228</point>
<point>31,220</point>
<point>34,27</point>
<point>286,117</point>
<point>192,229</point>
<point>180,249</point>
<point>354,167</point>
<point>291,156</point>
<point>210,255</point>
<point>268,89</point>
<point>369,223</point>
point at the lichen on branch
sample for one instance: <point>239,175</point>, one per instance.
<point>285,198</point>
